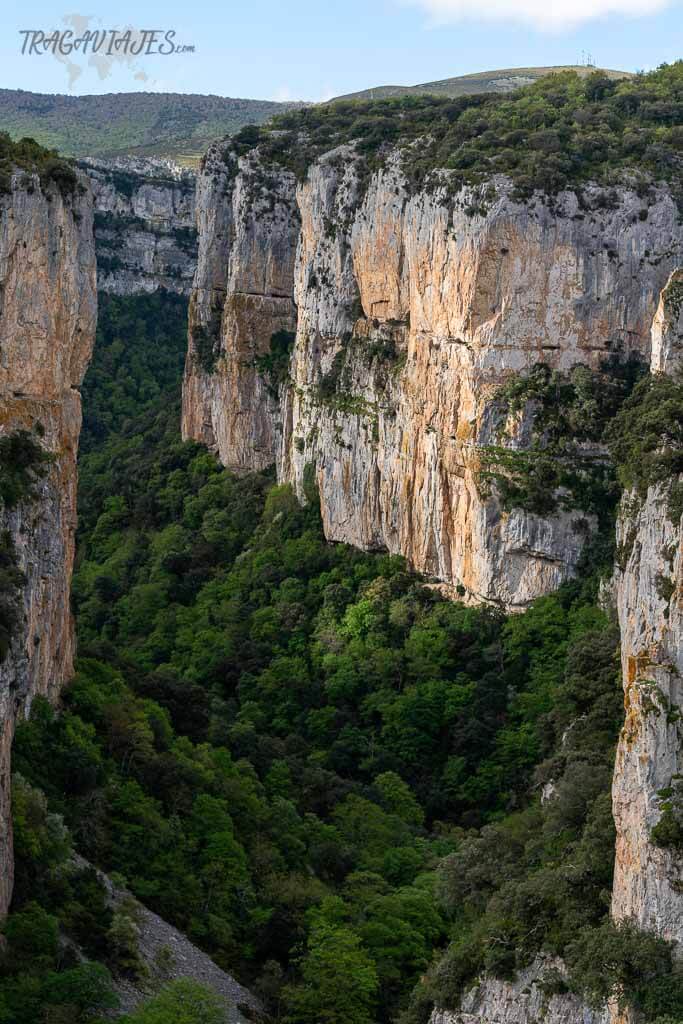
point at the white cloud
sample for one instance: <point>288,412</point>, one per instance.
<point>546,15</point>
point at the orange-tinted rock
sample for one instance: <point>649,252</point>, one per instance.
<point>47,324</point>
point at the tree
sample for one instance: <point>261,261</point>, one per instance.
<point>339,981</point>
<point>397,797</point>
<point>181,1002</point>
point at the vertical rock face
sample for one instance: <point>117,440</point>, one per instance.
<point>47,324</point>
<point>649,587</point>
<point>667,329</point>
<point>649,594</point>
<point>248,233</point>
<point>144,224</point>
<point>410,310</point>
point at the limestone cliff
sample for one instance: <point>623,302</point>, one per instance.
<point>243,293</point>
<point>524,1000</point>
<point>407,309</point>
<point>649,595</point>
<point>144,224</point>
<point>47,324</point>
<point>356,332</point>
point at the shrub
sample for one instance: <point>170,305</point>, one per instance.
<point>646,439</point>
<point>27,155</point>
<point>274,365</point>
<point>183,1002</point>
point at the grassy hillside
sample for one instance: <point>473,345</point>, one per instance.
<point>503,80</point>
<point>145,123</point>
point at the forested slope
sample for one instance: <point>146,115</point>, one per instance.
<point>146,123</point>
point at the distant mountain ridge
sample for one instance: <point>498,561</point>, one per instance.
<point>502,80</point>
<point>182,126</point>
<point>175,125</point>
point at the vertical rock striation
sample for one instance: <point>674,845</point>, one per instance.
<point>47,324</point>
<point>409,310</point>
<point>243,295</point>
<point>648,880</point>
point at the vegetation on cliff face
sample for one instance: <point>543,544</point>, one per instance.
<point>23,461</point>
<point>646,439</point>
<point>274,364</point>
<point>27,155</point>
<point>562,131</point>
<point>565,463</point>
<point>11,578</point>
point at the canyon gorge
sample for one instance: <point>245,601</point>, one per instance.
<point>400,314</point>
<point>469,386</point>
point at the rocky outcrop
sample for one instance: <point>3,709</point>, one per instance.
<point>409,310</point>
<point>168,955</point>
<point>144,224</point>
<point>47,325</point>
<point>243,295</point>
<point>519,1002</point>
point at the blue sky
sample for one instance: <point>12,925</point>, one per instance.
<point>314,49</point>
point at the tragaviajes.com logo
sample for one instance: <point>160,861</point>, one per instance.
<point>81,46</point>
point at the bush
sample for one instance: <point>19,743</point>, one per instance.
<point>668,832</point>
<point>274,365</point>
<point>182,1002</point>
<point>646,439</point>
<point>28,156</point>
<point>619,960</point>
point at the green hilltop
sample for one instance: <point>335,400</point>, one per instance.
<point>139,123</point>
<point>502,80</point>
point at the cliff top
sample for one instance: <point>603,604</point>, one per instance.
<point>27,155</point>
<point>562,130</point>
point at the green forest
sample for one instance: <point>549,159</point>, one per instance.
<point>324,773</point>
<point>179,125</point>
